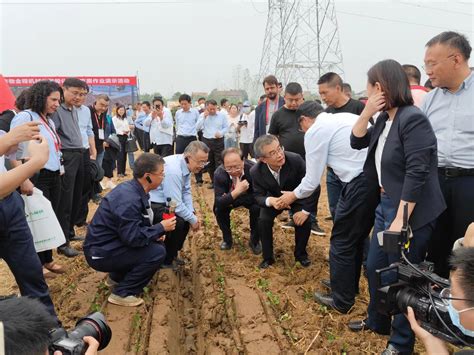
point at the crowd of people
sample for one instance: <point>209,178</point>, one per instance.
<point>405,148</point>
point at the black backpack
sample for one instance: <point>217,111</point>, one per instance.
<point>6,118</point>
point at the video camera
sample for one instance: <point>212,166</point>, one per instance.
<point>404,284</point>
<point>71,343</point>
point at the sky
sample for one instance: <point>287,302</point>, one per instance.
<point>195,45</point>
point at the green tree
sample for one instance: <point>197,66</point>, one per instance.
<point>176,96</point>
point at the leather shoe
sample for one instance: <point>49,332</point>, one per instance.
<point>390,350</point>
<point>304,262</point>
<point>266,263</point>
<point>226,246</point>
<point>328,301</point>
<point>358,325</point>
<point>256,248</point>
<point>326,283</point>
<point>179,261</point>
<point>76,238</point>
<point>68,251</point>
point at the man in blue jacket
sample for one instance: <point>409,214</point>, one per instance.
<point>121,239</point>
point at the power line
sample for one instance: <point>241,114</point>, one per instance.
<point>255,8</point>
<point>397,21</point>
<point>422,7</point>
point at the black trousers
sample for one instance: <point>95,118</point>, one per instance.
<point>452,223</point>
<point>108,164</point>
<point>353,220</point>
<point>265,228</point>
<point>216,147</point>
<point>181,144</point>
<point>49,182</point>
<point>122,154</point>
<point>174,240</point>
<point>139,135</point>
<point>71,190</point>
<point>247,149</point>
<point>18,251</point>
<point>223,220</point>
<point>86,190</point>
<point>163,149</point>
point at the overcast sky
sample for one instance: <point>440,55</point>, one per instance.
<point>194,45</point>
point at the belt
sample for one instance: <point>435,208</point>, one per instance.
<point>50,172</point>
<point>455,172</point>
<point>180,135</point>
<point>73,150</point>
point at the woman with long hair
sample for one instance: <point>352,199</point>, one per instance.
<point>42,101</point>
<point>401,166</point>
<point>123,130</point>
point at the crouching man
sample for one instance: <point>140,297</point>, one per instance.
<point>232,189</point>
<point>121,239</point>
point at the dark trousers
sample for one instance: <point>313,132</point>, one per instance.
<point>110,157</point>
<point>49,182</point>
<point>163,149</point>
<point>146,141</point>
<point>174,240</point>
<point>223,220</point>
<point>452,223</point>
<point>71,191</point>
<point>86,190</point>
<point>353,220</point>
<point>216,147</point>
<point>247,149</point>
<point>122,154</point>
<point>139,135</point>
<point>181,144</point>
<point>133,270</point>
<point>334,187</point>
<point>18,251</point>
<point>265,228</point>
<point>402,336</point>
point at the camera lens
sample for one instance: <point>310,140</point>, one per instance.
<point>93,325</point>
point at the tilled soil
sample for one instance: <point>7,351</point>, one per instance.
<point>219,302</point>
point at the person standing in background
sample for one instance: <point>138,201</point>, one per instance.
<point>123,130</point>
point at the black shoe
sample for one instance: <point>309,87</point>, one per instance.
<point>315,229</point>
<point>96,199</point>
<point>68,251</point>
<point>256,248</point>
<point>76,238</point>
<point>328,301</point>
<point>179,262</point>
<point>226,246</point>
<point>390,350</point>
<point>361,325</point>
<point>82,224</point>
<point>266,263</point>
<point>304,262</point>
<point>289,225</point>
<point>326,283</point>
<point>328,218</point>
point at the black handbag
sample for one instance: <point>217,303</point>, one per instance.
<point>131,145</point>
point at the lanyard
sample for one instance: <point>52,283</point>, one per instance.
<point>54,135</point>
<point>97,120</point>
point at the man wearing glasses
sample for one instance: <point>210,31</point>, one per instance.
<point>176,187</point>
<point>278,171</point>
<point>232,189</point>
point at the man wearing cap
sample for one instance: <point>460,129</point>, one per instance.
<point>327,143</point>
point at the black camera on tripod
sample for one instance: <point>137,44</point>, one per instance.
<point>404,284</point>
<point>71,343</point>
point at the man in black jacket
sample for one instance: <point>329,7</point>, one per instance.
<point>275,172</point>
<point>232,189</point>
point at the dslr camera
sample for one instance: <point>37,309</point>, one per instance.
<point>404,284</point>
<point>71,343</point>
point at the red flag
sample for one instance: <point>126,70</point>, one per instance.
<point>7,99</point>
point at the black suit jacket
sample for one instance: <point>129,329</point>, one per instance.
<point>223,185</point>
<point>261,118</point>
<point>291,174</point>
<point>409,163</point>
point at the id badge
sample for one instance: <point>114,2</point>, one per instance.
<point>101,134</point>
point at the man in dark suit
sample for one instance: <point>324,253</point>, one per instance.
<point>275,172</point>
<point>264,111</point>
<point>233,188</point>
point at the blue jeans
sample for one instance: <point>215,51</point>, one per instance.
<point>100,157</point>
<point>131,160</point>
<point>402,337</point>
<point>334,188</point>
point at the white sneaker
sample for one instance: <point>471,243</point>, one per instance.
<point>111,185</point>
<point>103,185</point>
<point>128,301</point>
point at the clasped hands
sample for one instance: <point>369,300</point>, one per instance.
<point>284,202</point>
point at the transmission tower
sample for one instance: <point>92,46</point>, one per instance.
<point>301,41</point>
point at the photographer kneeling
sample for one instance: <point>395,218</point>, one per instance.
<point>460,300</point>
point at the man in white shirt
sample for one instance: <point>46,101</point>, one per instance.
<point>160,122</point>
<point>327,142</point>
<point>246,126</point>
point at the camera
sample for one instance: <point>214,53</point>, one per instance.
<point>71,343</point>
<point>242,123</point>
<point>404,284</point>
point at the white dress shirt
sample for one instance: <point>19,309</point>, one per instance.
<point>247,132</point>
<point>161,131</point>
<point>121,125</point>
<point>379,150</point>
<point>327,142</point>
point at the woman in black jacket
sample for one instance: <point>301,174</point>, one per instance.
<point>402,166</point>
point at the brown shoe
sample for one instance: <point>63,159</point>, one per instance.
<point>56,268</point>
<point>48,274</point>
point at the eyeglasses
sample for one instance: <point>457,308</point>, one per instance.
<point>232,169</point>
<point>431,65</point>
<point>276,152</point>
<point>77,93</point>
<point>160,175</point>
<point>201,164</point>
<point>445,295</point>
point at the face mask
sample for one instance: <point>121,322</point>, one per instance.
<point>202,106</point>
<point>246,109</point>
<point>454,315</point>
